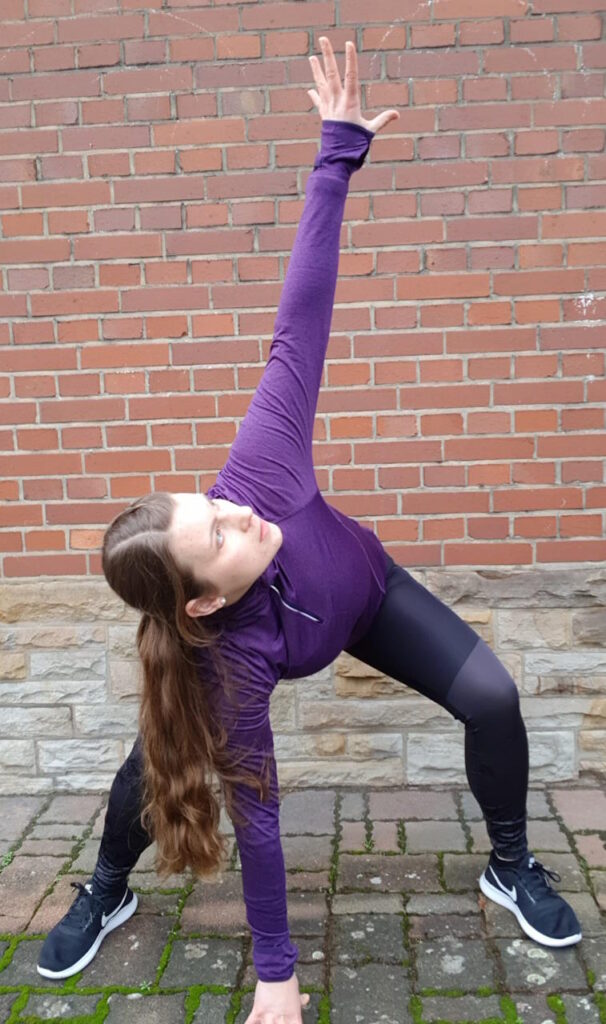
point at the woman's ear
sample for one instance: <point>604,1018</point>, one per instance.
<point>199,606</point>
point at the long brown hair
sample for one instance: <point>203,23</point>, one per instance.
<point>184,747</point>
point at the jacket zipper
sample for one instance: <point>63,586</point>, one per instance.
<point>292,608</point>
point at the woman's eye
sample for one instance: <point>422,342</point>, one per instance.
<point>220,534</point>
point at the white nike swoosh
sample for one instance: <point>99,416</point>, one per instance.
<point>510,892</point>
<point>105,919</point>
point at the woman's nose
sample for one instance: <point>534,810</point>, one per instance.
<point>246,515</point>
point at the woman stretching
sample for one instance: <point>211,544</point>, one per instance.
<point>261,580</point>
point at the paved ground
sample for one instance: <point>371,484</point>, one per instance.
<point>383,905</point>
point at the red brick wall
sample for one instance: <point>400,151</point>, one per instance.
<point>153,160</point>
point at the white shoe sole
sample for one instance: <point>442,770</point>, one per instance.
<point>114,922</point>
<point>503,900</point>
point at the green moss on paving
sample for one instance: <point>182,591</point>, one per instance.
<point>402,837</point>
<point>555,1003</point>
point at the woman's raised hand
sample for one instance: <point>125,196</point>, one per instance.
<point>336,103</point>
<point>277,1002</point>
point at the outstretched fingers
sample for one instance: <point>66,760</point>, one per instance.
<point>333,77</point>
<point>351,74</point>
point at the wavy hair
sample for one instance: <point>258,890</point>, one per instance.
<point>184,746</point>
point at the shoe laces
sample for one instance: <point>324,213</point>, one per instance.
<point>81,911</point>
<point>538,875</point>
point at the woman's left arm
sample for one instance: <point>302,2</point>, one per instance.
<point>270,462</point>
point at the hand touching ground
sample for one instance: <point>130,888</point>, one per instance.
<point>277,1002</point>
<point>336,103</point>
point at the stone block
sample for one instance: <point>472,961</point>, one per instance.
<point>385,837</point>
<point>76,781</point>
<point>370,993</point>
<point>109,720</point>
<point>203,962</point>
<point>366,903</point>
<point>441,1008</point>
<point>440,926</point>
<point>593,849</point>
<point>307,914</point>
<point>462,871</point>
<point>212,1009</point>
<point>364,937</point>
<point>434,835</point>
<point>130,955</point>
<point>61,601</point>
<point>311,853</point>
<point>388,772</point>
<point>76,810</point>
<point>581,808</point>
<point>309,812</point>
<point>529,966</point>
<point>60,756</point>
<point>526,628</point>
<point>282,707</point>
<point>54,691</point>
<point>442,904</point>
<point>62,1007</point>
<point>352,806</point>
<point>16,722</point>
<point>307,881</point>
<point>435,757</point>
<point>17,755</point>
<point>24,882</point>
<point>353,835</point>
<point>16,813</point>
<point>337,714</point>
<point>89,663</point>
<point>450,962</point>
<point>216,907</point>
<point>12,665</point>
<point>410,804</point>
<point>12,784</point>
<point>164,1009</point>
<point>397,873</point>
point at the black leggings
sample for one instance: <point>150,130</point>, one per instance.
<point>418,640</point>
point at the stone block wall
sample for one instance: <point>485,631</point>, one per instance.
<point>69,678</point>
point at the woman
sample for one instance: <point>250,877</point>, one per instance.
<point>261,580</point>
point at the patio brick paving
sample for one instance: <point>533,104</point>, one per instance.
<point>384,907</point>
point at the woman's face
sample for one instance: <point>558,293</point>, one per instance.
<point>221,544</point>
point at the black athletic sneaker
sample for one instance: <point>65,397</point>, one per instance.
<point>74,941</point>
<point>524,889</point>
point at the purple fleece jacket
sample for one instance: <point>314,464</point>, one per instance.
<point>325,584</point>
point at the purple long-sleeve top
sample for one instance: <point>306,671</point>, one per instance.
<point>321,590</point>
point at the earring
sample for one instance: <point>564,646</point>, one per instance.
<point>222,600</point>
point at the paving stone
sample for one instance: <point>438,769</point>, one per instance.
<point>422,836</point>
<point>51,847</point>
<point>534,1010</point>
<point>307,915</point>
<point>169,1009</point>
<point>87,858</point>
<point>58,830</point>
<point>307,881</point>
<point>442,903</point>
<point>434,926</point>
<point>400,873</point>
<point>6,1002</point>
<point>385,837</point>
<point>148,881</point>
<point>593,922</point>
<point>22,968</point>
<point>71,808</point>
<point>212,1009</point>
<point>56,904</point>
<point>593,849</point>
<point>369,937</point>
<point>129,955</point>
<point>542,835</point>
<point>367,903</point>
<point>409,804</point>
<point>536,805</point>
<point>593,952</point>
<point>308,811</point>
<point>24,882</point>
<point>370,994</point>
<point>462,871</point>
<point>353,836</point>
<point>498,921</point>
<point>450,962</point>
<point>216,907</point>
<point>352,806</point>
<point>16,812</point>
<point>529,967</point>
<point>203,962</point>
<point>444,1008</point>
<point>580,808</point>
<point>159,903</point>
<point>598,881</point>
<point>47,1007</point>
<point>309,852</point>
<point>580,1009</point>
<point>99,823</point>
<point>311,1012</point>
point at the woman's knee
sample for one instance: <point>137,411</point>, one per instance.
<point>483,687</point>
